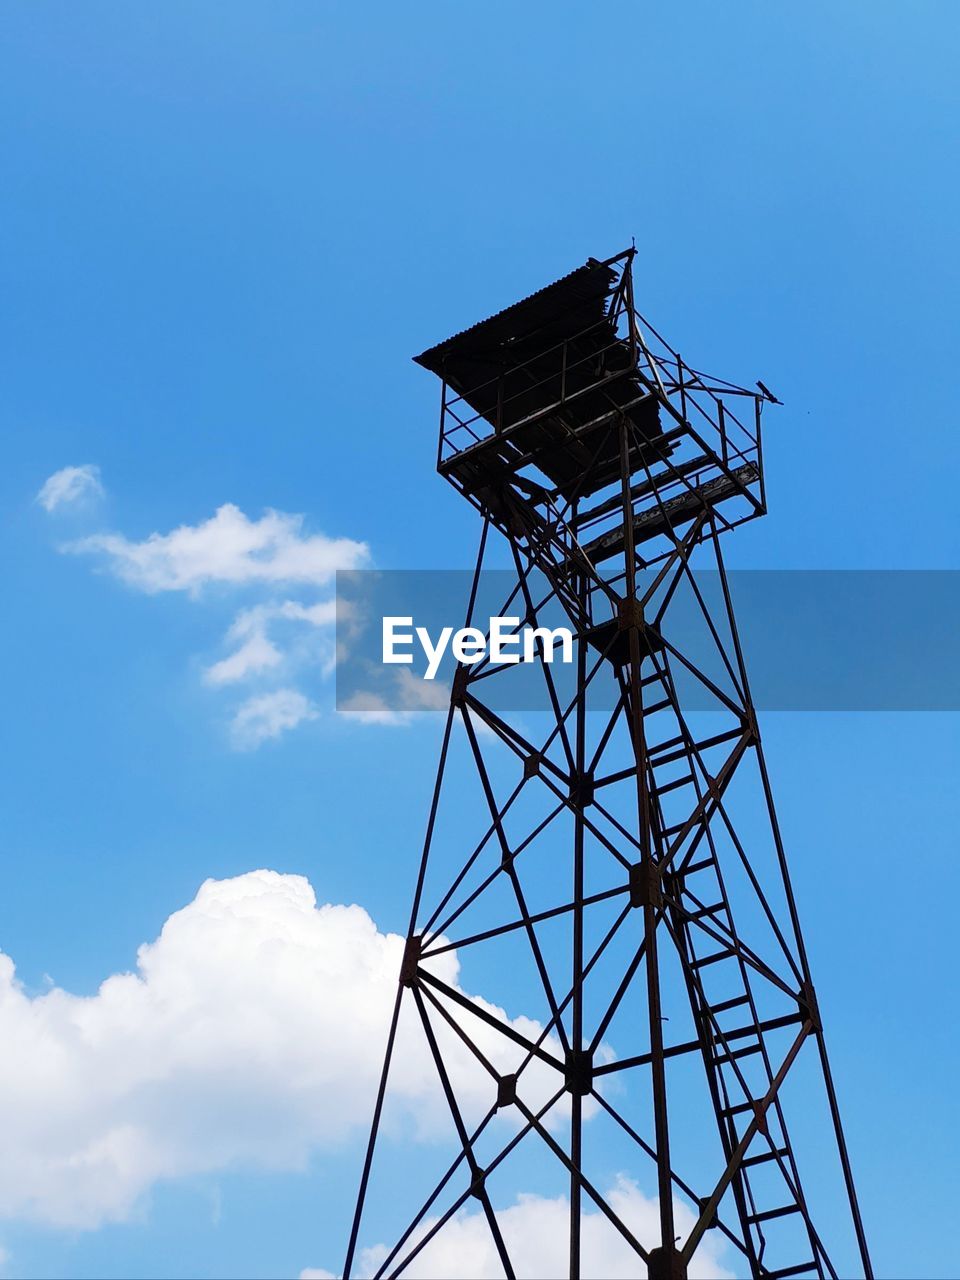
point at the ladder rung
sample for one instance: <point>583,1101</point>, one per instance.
<point>787,1272</point>
<point>707,911</point>
<point>764,1157</point>
<point>682,781</point>
<point>739,1109</point>
<point>768,1214</point>
<point>652,710</point>
<point>723,1058</point>
<point>697,866</point>
<point>701,746</point>
<point>664,746</point>
<point>712,959</point>
<point>756,1029</point>
<point>681,753</point>
<point>736,1003</point>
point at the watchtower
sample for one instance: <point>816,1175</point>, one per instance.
<point>675,1002</point>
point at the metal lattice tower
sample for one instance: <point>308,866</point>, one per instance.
<point>659,928</point>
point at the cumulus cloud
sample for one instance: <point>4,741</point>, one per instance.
<point>248,1036</point>
<point>69,486</point>
<point>536,1233</point>
<point>228,548</point>
<point>268,715</point>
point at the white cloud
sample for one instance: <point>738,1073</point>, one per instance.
<point>270,638</point>
<point>404,697</point>
<point>70,485</point>
<point>370,708</point>
<point>228,548</point>
<point>257,651</point>
<point>268,715</point>
<point>536,1234</point>
<point>250,1035</point>
<point>255,655</point>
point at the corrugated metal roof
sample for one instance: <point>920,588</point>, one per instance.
<point>567,305</point>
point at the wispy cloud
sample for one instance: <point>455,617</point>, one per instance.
<point>408,697</point>
<point>267,715</point>
<point>271,642</point>
<point>70,486</point>
<point>256,651</point>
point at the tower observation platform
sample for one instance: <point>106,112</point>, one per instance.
<point>534,399</point>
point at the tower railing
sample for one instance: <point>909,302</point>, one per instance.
<point>709,453</point>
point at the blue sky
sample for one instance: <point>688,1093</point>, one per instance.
<point>226,229</point>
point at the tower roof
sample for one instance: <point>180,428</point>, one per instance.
<point>557,312</point>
